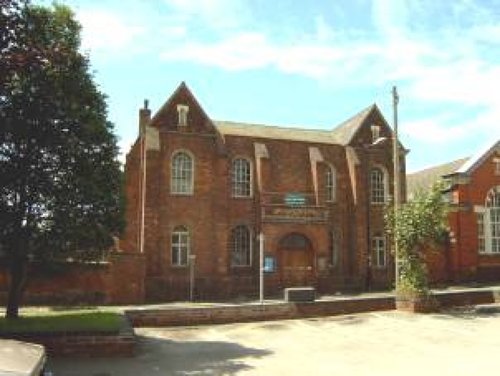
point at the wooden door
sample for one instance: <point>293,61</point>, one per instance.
<point>296,259</point>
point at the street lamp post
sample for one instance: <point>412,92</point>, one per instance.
<point>261,268</point>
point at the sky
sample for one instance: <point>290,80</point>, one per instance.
<point>311,64</point>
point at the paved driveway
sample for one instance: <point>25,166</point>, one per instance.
<point>383,343</point>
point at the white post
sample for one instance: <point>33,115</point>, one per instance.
<point>192,259</point>
<point>261,269</point>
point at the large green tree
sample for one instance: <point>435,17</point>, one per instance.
<point>59,175</point>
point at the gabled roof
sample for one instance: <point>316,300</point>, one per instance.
<point>230,128</point>
<point>423,180</point>
<point>478,159</point>
<point>346,131</point>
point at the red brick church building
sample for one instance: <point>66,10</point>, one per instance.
<point>200,191</point>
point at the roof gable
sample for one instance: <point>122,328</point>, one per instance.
<point>355,127</point>
<point>478,159</point>
<point>167,116</point>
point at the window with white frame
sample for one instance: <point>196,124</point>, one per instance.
<point>379,254</point>
<point>331,183</point>
<point>182,174</point>
<point>489,224</point>
<point>241,176</point>
<point>241,246</point>
<point>377,185</point>
<point>180,246</point>
<point>182,115</point>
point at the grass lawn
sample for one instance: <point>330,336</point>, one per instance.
<point>65,321</point>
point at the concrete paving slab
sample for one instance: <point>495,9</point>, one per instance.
<point>458,342</point>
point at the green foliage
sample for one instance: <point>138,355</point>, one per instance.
<point>419,225</point>
<point>64,322</point>
<point>61,181</point>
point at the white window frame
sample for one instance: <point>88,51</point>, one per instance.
<point>241,178</point>
<point>182,115</point>
<point>179,173</point>
<point>331,183</point>
<point>378,193</point>
<point>379,252</point>
<point>180,246</point>
<point>241,244</point>
<point>489,215</point>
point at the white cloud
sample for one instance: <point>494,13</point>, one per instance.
<point>107,32</point>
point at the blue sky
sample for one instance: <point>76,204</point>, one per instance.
<point>307,63</point>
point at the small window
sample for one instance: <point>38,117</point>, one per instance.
<point>496,163</point>
<point>378,252</point>
<point>481,244</point>
<point>241,178</point>
<point>331,184</point>
<point>375,132</point>
<point>241,246</point>
<point>181,246</point>
<point>377,185</point>
<point>182,113</point>
<point>182,174</point>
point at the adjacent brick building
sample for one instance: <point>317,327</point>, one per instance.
<point>206,189</point>
<point>474,218</point>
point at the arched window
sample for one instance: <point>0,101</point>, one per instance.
<point>241,175</point>
<point>379,254</point>
<point>489,223</point>
<point>330,183</point>
<point>181,246</point>
<point>377,185</point>
<point>182,174</point>
<point>241,246</point>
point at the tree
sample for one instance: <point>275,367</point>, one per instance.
<point>60,178</point>
<point>418,226</point>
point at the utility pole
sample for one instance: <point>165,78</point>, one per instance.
<point>395,151</point>
<point>143,178</point>
<point>261,268</point>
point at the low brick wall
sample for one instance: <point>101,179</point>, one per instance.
<point>121,344</point>
<point>448,299</point>
<point>254,312</point>
<point>220,314</point>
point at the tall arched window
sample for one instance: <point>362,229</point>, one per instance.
<point>181,246</point>
<point>241,246</point>
<point>489,223</point>
<point>377,185</point>
<point>241,176</point>
<point>330,183</point>
<point>182,174</point>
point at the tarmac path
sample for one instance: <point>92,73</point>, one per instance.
<point>384,343</point>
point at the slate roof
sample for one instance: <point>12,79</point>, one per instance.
<point>423,180</point>
<point>274,132</point>
<point>340,135</point>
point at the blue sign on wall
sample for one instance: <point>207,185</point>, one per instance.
<point>295,199</point>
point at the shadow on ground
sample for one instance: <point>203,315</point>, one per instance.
<point>157,356</point>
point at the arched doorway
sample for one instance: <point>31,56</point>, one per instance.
<point>296,260</point>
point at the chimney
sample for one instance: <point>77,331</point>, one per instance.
<point>144,117</point>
